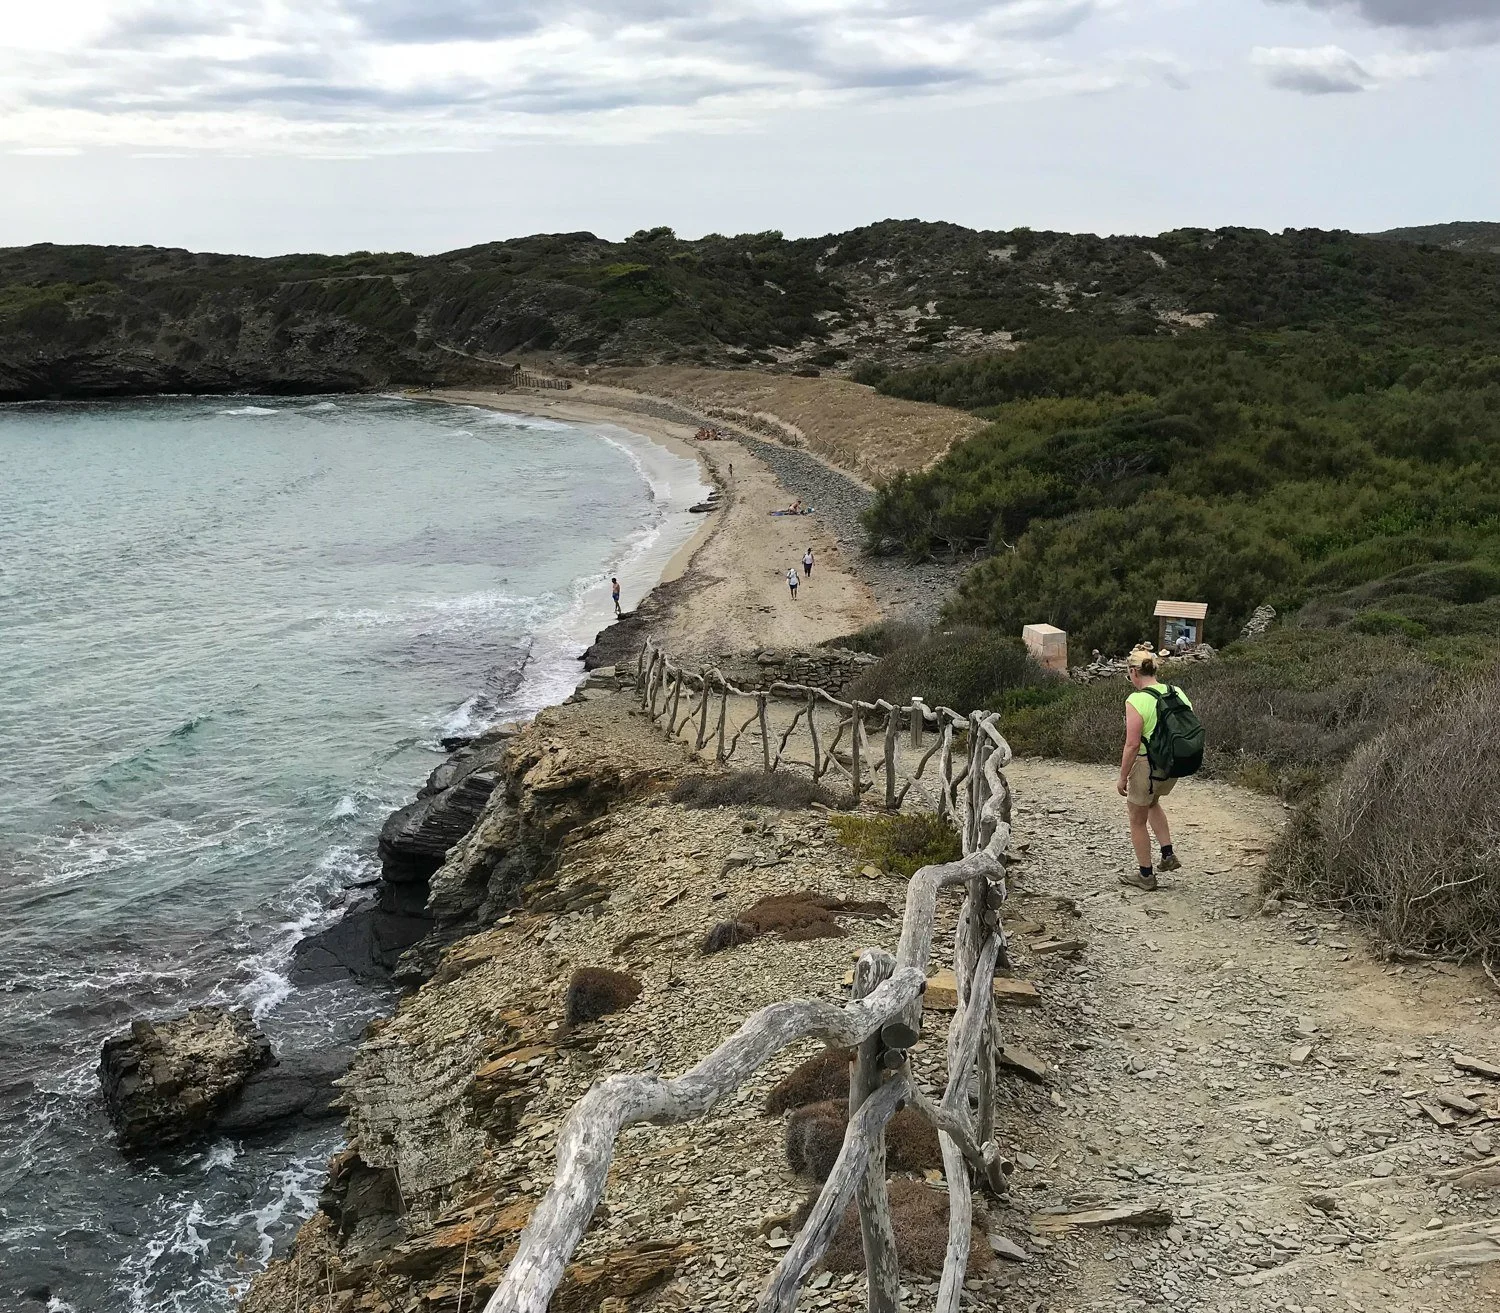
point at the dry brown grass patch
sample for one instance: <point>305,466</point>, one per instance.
<point>796,917</point>
<point>594,992</point>
<point>919,1215</point>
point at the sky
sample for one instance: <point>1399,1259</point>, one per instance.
<point>267,126</point>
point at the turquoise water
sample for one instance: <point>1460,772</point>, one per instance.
<point>231,635</point>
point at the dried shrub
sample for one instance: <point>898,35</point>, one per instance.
<point>815,1134</point>
<point>796,917</point>
<point>919,1216</point>
<point>1407,841</point>
<point>726,934</point>
<point>594,992</point>
<point>900,843</point>
<point>880,639</point>
<point>821,1077</point>
<point>784,790</point>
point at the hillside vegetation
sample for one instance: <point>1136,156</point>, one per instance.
<point>1358,481</point>
<point>78,321</point>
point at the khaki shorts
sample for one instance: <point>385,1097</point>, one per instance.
<point>1142,790</point>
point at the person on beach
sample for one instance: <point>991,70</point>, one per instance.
<point>807,562</point>
<point>614,591</point>
<point>1142,792</point>
<point>791,581</point>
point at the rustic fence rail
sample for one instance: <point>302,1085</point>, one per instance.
<point>660,683</point>
<point>881,1022</point>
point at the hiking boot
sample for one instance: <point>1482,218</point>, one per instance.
<point>1172,863</point>
<point>1138,881</point>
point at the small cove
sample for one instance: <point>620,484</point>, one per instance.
<point>233,631</point>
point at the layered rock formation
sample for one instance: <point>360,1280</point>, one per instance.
<point>210,1071</point>
<point>166,1082</point>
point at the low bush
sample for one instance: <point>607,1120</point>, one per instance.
<point>753,788</point>
<point>1283,713</point>
<point>882,638</point>
<point>965,668</point>
<point>823,1076</point>
<point>595,992</point>
<point>815,1134</point>
<point>795,917</point>
<point>1407,841</point>
<point>900,843</point>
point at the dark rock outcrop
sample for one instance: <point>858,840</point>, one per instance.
<point>297,1088</point>
<point>166,1082</point>
<point>365,945</point>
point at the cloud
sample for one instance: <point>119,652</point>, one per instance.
<point>1331,70</point>
<point>172,74</point>
<point>1439,21</point>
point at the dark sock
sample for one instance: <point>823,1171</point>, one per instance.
<point>1146,873</point>
<point>1166,850</point>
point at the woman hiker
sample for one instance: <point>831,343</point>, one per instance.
<point>807,563</point>
<point>791,581</point>
<point>1142,794</point>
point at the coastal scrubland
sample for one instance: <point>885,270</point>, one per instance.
<point>89,320</point>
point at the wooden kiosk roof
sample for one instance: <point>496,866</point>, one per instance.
<point>1182,610</point>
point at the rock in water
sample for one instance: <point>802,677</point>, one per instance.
<point>165,1082</point>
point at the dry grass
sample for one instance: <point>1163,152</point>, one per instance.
<point>919,1215</point>
<point>784,790</point>
<point>848,424</point>
<point>815,1134</point>
<point>1408,838</point>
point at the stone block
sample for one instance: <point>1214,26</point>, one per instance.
<point>1048,646</point>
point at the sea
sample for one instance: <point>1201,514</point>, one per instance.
<point>233,632</point>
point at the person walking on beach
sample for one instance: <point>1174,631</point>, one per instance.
<point>807,562</point>
<point>791,581</point>
<point>1144,782</point>
<point>614,591</point>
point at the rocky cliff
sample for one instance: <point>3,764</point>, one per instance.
<point>578,861</point>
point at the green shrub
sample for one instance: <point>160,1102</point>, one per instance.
<point>880,639</point>
<point>964,668</point>
<point>900,843</point>
<point>1282,713</point>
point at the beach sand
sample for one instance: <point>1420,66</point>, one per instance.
<point>728,590</point>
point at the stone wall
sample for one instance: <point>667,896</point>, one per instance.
<point>831,668</point>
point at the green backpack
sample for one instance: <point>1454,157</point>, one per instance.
<point>1175,747</point>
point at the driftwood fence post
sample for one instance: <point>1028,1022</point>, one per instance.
<point>882,1270</point>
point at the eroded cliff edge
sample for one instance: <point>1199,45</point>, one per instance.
<point>578,859</point>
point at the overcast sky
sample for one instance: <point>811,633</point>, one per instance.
<point>276,125</point>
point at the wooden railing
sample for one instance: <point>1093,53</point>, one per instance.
<point>524,378</point>
<point>660,683</point>
<point>881,1022</point>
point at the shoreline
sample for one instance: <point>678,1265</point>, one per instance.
<point>724,589</point>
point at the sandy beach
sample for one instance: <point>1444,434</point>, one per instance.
<point>727,586</point>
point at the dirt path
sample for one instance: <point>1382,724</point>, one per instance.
<point>1259,1074</point>
<point>736,597</point>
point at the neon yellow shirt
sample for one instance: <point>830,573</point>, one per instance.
<point>1146,706</point>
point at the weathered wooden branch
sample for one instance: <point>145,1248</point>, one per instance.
<point>882,1270</point>
<point>586,1143</point>
<point>849,1167</point>
<point>890,760</point>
